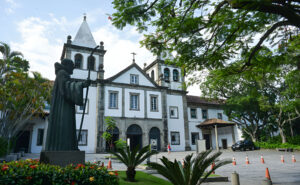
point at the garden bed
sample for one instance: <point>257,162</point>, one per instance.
<point>33,172</point>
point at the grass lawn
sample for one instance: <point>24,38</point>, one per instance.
<point>142,179</point>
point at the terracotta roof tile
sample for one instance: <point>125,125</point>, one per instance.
<point>215,121</point>
<point>201,100</point>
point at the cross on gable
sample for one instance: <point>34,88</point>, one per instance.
<point>133,54</point>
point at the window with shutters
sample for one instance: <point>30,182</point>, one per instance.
<point>134,101</point>
<point>113,99</point>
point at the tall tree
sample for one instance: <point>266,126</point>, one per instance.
<point>21,97</point>
<point>268,93</point>
<point>212,33</point>
<point>244,96</point>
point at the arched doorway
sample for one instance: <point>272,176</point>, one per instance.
<point>115,136</point>
<point>134,134</point>
<point>155,134</point>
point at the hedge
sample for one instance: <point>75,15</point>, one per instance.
<point>33,172</point>
<point>268,145</point>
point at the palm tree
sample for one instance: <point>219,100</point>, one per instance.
<point>7,53</point>
<point>8,58</point>
<point>133,158</point>
<point>194,170</point>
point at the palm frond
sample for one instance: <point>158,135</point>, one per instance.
<point>147,154</point>
<point>5,50</point>
<point>193,172</point>
<point>14,54</point>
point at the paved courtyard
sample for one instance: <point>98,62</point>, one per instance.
<point>287,173</point>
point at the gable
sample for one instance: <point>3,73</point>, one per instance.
<point>125,77</point>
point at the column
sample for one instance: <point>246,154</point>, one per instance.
<point>233,134</point>
<point>216,134</point>
<point>186,124</point>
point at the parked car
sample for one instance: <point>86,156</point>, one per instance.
<point>243,145</point>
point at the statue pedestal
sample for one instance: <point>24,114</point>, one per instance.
<point>62,158</point>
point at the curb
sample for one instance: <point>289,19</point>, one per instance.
<point>216,179</point>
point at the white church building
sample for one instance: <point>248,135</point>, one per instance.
<point>147,104</point>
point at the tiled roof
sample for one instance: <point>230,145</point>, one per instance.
<point>84,36</point>
<point>215,121</point>
<point>200,100</point>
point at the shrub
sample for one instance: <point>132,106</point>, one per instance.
<point>294,140</point>
<point>267,145</point>
<point>32,172</point>
<point>275,140</point>
<point>193,170</point>
<point>121,144</point>
<point>3,145</point>
<point>133,158</point>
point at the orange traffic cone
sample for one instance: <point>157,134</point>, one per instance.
<point>109,166</point>
<point>282,159</point>
<point>268,174</point>
<point>212,166</point>
<point>247,160</point>
<point>262,160</point>
<point>293,159</point>
<point>233,161</point>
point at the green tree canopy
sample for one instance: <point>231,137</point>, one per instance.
<point>212,33</point>
<point>267,94</point>
<point>21,97</point>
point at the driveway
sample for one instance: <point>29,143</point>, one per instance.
<point>287,173</point>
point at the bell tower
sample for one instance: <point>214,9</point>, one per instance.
<point>79,51</point>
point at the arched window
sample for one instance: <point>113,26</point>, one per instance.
<point>78,61</point>
<point>167,74</point>
<point>91,63</point>
<point>152,74</point>
<point>175,75</point>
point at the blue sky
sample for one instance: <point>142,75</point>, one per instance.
<point>38,28</point>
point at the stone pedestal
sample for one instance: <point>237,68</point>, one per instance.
<point>62,158</point>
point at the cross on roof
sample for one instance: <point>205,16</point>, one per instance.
<point>133,54</point>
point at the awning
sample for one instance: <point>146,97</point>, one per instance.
<point>214,121</point>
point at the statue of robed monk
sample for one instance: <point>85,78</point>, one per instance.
<point>61,132</point>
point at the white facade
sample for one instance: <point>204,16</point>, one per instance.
<point>145,104</point>
<point>125,78</point>
<point>224,133</point>
<point>89,123</point>
<point>39,124</point>
<point>176,122</point>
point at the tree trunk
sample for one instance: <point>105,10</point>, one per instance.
<point>283,137</point>
<point>291,129</point>
<point>130,174</point>
<point>253,138</point>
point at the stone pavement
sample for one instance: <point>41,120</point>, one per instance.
<point>287,173</point>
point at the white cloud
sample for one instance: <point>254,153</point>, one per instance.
<point>118,55</point>
<point>38,45</point>
<point>12,5</point>
<point>42,43</point>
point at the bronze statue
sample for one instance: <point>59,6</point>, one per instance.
<point>61,132</point>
